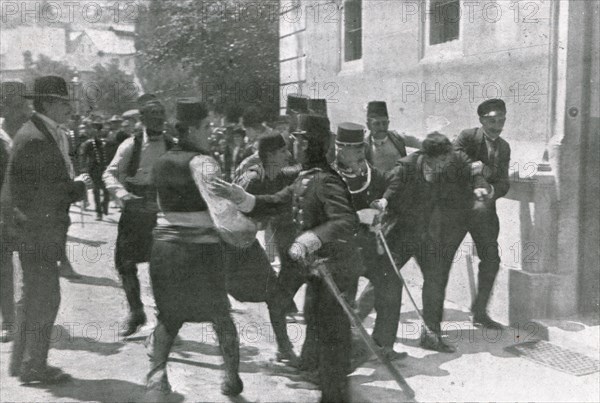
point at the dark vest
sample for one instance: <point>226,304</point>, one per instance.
<point>177,191</point>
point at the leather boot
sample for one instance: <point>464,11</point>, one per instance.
<point>136,317</point>
<point>159,344</point>
<point>230,348</point>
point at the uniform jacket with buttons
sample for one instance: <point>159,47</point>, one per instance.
<point>472,142</point>
<point>321,203</point>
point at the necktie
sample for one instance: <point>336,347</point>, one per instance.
<point>491,146</point>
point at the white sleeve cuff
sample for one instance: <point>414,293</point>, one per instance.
<point>248,204</point>
<point>491,195</point>
<point>120,193</point>
<point>310,240</point>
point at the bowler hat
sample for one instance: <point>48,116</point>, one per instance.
<point>491,107</point>
<point>296,103</point>
<point>350,134</point>
<point>317,107</point>
<point>9,90</point>
<point>50,87</point>
<point>190,110</point>
<point>377,109</point>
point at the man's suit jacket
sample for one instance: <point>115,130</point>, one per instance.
<point>412,199</point>
<point>38,189</point>
<point>472,142</point>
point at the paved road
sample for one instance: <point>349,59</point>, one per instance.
<point>108,369</point>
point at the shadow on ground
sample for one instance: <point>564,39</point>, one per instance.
<point>102,390</point>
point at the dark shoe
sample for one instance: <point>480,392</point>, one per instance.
<point>232,386</point>
<point>485,321</point>
<point>46,375</point>
<point>98,217</point>
<point>133,323</point>
<point>392,354</point>
<point>433,341</point>
<point>5,336</point>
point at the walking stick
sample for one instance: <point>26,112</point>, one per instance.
<point>356,322</point>
<point>374,219</point>
<point>81,212</point>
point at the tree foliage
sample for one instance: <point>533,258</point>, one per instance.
<point>111,91</point>
<point>224,51</point>
<point>45,66</point>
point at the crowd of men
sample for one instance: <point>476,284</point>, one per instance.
<point>193,195</point>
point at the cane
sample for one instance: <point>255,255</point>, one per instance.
<point>368,217</point>
<point>356,322</point>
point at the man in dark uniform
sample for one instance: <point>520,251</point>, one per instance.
<point>128,178</point>
<point>95,156</point>
<point>15,111</point>
<point>367,185</point>
<point>39,204</point>
<point>432,191</point>
<point>491,156</point>
<point>188,256</point>
<point>326,223</point>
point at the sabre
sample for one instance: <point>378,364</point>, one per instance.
<point>356,322</point>
<point>379,234</point>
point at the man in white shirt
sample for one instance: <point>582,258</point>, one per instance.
<point>128,178</point>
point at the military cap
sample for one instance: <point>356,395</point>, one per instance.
<point>491,107</point>
<point>130,114</point>
<point>115,118</point>
<point>313,127</point>
<point>350,134</point>
<point>145,98</point>
<point>317,107</point>
<point>190,110</point>
<point>296,103</point>
<point>377,109</point>
<point>50,87</point>
<point>9,90</point>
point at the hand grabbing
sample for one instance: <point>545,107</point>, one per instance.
<point>228,191</point>
<point>481,194</point>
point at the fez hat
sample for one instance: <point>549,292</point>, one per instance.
<point>115,118</point>
<point>312,127</point>
<point>270,143</point>
<point>9,90</point>
<point>49,87</point>
<point>317,107</point>
<point>491,107</point>
<point>377,108</point>
<point>190,110</point>
<point>296,103</point>
<point>350,134</point>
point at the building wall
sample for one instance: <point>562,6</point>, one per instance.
<point>503,56</point>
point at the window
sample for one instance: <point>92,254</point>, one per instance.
<point>444,21</point>
<point>352,30</point>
